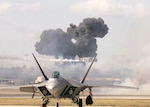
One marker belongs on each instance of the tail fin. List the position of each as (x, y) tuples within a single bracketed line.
[(88, 69), (45, 77)]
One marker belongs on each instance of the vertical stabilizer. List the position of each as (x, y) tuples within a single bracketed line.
[(88, 69), (45, 77)]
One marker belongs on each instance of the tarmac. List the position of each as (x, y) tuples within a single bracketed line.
[(59, 106)]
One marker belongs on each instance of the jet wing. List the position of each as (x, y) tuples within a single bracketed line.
[(108, 86), (25, 88), (29, 89)]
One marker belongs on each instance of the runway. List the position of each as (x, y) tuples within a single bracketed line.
[(59, 106)]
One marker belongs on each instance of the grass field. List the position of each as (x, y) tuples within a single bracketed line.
[(67, 102)]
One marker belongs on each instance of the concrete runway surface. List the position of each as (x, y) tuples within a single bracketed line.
[(55, 106)]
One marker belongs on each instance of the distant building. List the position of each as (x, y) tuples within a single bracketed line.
[(6, 81)]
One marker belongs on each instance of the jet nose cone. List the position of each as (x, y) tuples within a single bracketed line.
[(52, 86), (55, 89)]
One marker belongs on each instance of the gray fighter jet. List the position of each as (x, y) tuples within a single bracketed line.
[(59, 87)]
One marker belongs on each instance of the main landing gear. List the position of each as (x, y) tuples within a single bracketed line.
[(89, 100), (80, 103), (45, 102)]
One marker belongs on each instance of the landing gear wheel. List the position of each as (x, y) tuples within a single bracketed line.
[(44, 105), (57, 104), (80, 102), (89, 100)]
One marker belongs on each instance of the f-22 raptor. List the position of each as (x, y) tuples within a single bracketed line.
[(59, 87)]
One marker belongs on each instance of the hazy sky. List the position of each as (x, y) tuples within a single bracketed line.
[(22, 22)]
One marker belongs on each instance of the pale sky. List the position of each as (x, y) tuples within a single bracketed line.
[(23, 21), (127, 44)]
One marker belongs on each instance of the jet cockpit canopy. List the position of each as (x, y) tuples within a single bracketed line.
[(55, 74)]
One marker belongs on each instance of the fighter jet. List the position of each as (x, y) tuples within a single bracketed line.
[(59, 87)]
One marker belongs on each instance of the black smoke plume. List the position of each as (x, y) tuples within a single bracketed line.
[(77, 41)]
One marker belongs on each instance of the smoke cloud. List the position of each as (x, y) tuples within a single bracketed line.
[(77, 41)]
